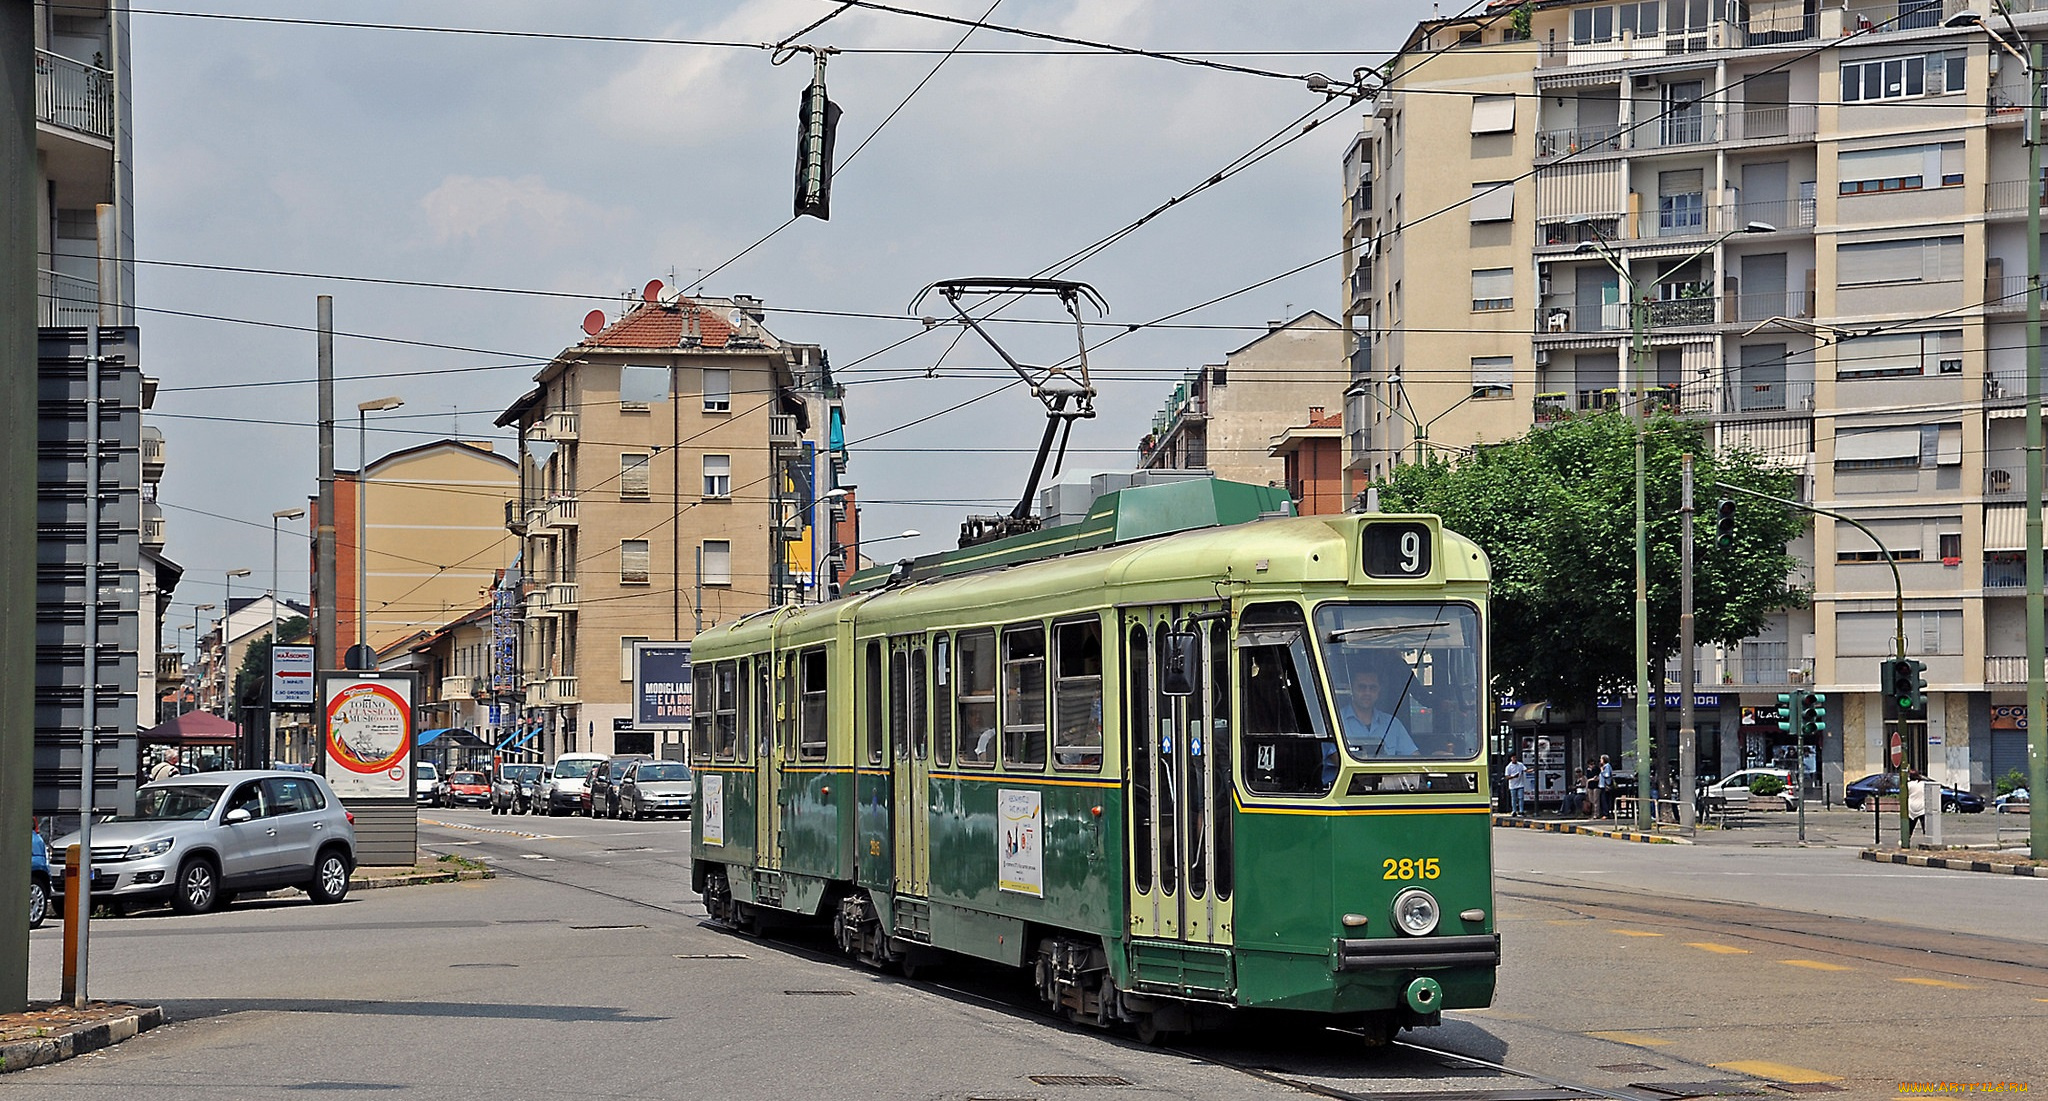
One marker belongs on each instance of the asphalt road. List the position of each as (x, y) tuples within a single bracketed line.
[(585, 970)]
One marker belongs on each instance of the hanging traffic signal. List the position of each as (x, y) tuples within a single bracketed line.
[(817, 124), (1813, 716), (1790, 706), (1724, 520)]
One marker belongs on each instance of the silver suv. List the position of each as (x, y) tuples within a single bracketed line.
[(197, 840)]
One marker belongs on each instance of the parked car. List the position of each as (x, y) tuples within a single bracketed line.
[(566, 788), (512, 788), (536, 795), (38, 877), (1736, 785), (426, 781), (656, 788), (196, 841), (1887, 783), (603, 801), (466, 789)]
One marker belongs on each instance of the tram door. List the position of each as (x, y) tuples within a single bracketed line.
[(1177, 752), (773, 724), (910, 766)]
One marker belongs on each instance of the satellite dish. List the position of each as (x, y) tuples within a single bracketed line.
[(651, 292), (593, 322)]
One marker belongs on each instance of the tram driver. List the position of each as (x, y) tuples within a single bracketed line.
[(1371, 730)]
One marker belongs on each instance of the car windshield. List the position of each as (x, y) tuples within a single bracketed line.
[(662, 770), (570, 770), (429, 772), (1405, 678), (173, 802), (521, 772), (466, 778)]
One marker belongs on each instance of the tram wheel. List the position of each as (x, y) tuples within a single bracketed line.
[(1146, 1026)]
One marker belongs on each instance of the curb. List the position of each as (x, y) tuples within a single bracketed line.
[(371, 883), (1954, 864), (23, 1054), (1502, 820)]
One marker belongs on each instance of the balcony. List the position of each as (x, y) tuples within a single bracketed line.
[(66, 301), (1766, 125), (562, 690), (74, 96), (2005, 294), (1766, 396), (2005, 570), (537, 603), (458, 688), (1692, 305), (1677, 130), (782, 430), (562, 596), (1661, 397), (2005, 481), (1553, 407), (1782, 215), (152, 454), (1609, 138), (2005, 669), (1766, 305), (1763, 662), (152, 524), (1361, 284), (561, 512), (1692, 220), (557, 427), (2007, 198)]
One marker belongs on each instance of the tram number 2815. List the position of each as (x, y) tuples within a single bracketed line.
[(1403, 868)]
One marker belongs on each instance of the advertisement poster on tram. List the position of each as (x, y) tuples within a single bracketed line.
[(711, 815), (1020, 840), (369, 734)]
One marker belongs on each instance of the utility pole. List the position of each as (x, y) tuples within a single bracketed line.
[(326, 607), (2037, 635), (17, 471), (1687, 734), (1639, 371)]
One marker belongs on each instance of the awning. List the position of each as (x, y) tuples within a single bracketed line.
[(459, 733), (524, 738), (1531, 714), (2005, 528)]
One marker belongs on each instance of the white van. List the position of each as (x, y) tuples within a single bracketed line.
[(568, 784)]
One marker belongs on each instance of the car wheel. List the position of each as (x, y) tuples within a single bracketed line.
[(330, 877), (38, 902), (198, 887), (638, 811)]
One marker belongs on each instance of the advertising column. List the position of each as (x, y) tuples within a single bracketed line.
[(367, 729)]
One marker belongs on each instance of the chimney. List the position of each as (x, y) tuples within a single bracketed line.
[(1315, 413)]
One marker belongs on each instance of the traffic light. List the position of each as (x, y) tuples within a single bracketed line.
[(1724, 520), (817, 125), (1791, 705), (1813, 716), (1904, 682)]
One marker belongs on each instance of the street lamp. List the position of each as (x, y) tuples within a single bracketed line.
[(197, 642), (270, 712), (1639, 357), (1421, 426), (363, 410), (227, 622), (2033, 61)]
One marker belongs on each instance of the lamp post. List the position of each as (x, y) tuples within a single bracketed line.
[(363, 410), (1639, 320), (227, 622), (1421, 426), (2033, 62), (269, 710), (198, 642)]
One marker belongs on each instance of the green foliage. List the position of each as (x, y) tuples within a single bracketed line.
[(1555, 512), (1521, 23), (2012, 781), (252, 680), (1766, 784)]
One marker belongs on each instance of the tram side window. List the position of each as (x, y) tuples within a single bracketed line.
[(871, 715), (1138, 753), (1077, 696), (1024, 697), (1219, 752), (976, 685), (744, 709), (764, 707), (701, 718), (899, 702), (811, 713), (725, 708), (917, 703), (942, 715), (1284, 733)]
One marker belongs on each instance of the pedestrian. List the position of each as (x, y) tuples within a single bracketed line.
[(1606, 787), (166, 768), (1517, 775), (1589, 785)]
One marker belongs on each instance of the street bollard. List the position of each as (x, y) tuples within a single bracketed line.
[(73, 898)]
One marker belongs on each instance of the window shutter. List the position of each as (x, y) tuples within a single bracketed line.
[(717, 562), (1881, 443), (1689, 181), (1882, 164), (1493, 372), (1493, 114), (1493, 202), (1493, 284), (633, 475), (1943, 260), (635, 561)]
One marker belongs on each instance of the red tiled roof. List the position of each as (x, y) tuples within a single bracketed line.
[(664, 325), (1326, 420)]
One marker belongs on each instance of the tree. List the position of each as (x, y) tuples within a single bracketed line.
[(252, 680), (1555, 512)]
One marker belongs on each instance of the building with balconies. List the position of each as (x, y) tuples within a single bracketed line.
[(1223, 417), (676, 471), (1806, 194)]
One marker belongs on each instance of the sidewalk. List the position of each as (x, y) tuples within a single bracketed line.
[(1836, 827)]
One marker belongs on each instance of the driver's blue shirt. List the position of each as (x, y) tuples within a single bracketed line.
[(1381, 736)]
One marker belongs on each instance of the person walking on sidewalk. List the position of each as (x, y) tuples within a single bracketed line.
[(1517, 775), (1606, 787)]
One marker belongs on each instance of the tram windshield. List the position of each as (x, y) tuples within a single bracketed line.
[(1404, 679)]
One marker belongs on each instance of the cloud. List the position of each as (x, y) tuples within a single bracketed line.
[(478, 207)]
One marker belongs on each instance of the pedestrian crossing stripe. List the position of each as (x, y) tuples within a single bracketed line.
[(1777, 1072), (1634, 1039), (1817, 965), (1943, 983), (1718, 949), (1634, 933)]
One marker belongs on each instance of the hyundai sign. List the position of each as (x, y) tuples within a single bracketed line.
[(661, 685)]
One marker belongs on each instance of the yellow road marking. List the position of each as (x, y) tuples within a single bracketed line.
[(1779, 1072), (1634, 933), (1943, 983), (1718, 949), (1817, 965), (1636, 1039), (1551, 921)]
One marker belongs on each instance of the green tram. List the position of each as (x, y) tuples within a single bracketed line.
[(1175, 775)]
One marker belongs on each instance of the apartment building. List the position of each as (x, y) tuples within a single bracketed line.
[(678, 470), (1223, 417), (1825, 206)]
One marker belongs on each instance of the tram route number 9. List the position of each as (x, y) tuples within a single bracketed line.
[(1411, 869), (1397, 550)]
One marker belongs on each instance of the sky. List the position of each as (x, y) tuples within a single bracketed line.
[(585, 168)]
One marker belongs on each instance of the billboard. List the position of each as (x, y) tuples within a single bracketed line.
[(291, 676), (661, 685), (368, 729)]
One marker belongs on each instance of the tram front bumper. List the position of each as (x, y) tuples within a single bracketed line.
[(1409, 953)]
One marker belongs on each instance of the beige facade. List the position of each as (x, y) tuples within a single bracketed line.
[(665, 463), (1223, 417), (1825, 208)]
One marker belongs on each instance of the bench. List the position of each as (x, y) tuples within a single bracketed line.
[(1661, 810)]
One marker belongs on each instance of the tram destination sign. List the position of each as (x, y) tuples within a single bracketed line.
[(661, 685)]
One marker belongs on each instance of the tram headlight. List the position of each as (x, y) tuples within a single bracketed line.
[(1416, 912)]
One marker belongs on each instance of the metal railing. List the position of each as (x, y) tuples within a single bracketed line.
[(2009, 572), (1608, 138), (1779, 214), (1361, 281), (2008, 197), (66, 301), (1552, 407), (1691, 309), (1693, 221), (1574, 232), (1777, 395), (1674, 128), (2005, 481), (1764, 663), (2007, 385), (2005, 294), (74, 95), (1765, 305), (1800, 122)]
